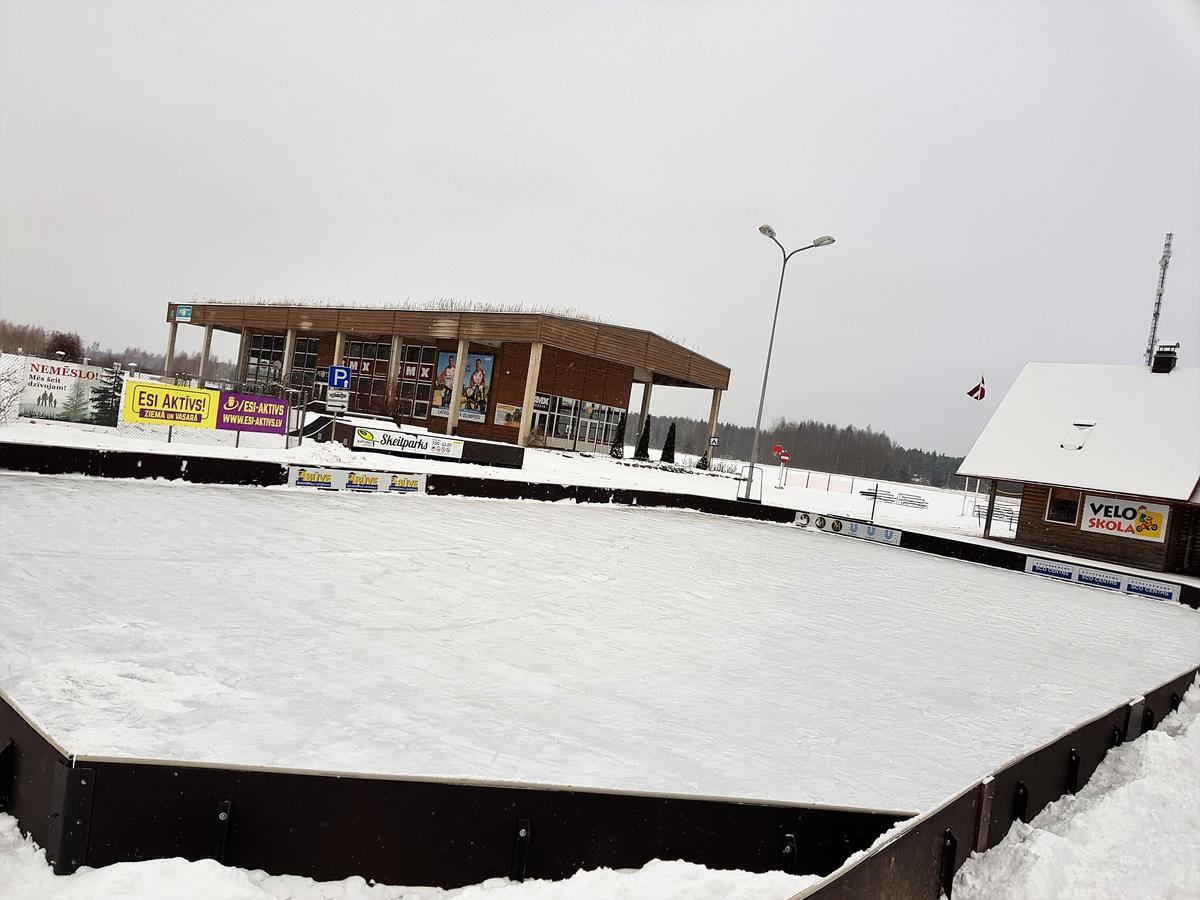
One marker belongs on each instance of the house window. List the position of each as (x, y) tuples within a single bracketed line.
[(1062, 507), (368, 362), (264, 365), (415, 381)]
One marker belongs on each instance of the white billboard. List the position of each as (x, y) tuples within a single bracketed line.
[(419, 443)]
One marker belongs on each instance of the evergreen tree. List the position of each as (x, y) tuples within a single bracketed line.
[(643, 445), (702, 462), (106, 399), (617, 451), (75, 407), (668, 450)]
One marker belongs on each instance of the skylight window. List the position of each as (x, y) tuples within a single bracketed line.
[(1077, 435)]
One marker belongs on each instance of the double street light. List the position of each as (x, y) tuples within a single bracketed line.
[(823, 241)]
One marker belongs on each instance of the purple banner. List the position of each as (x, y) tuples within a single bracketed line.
[(248, 412)]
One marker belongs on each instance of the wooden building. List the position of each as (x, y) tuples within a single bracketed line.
[(1109, 457), (529, 377)]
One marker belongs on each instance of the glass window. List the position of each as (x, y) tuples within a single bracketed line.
[(1062, 507)]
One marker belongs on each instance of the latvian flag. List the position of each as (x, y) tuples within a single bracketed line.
[(979, 391)]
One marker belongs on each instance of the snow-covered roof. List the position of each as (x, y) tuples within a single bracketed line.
[(1137, 432)]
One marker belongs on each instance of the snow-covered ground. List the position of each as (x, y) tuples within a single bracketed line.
[(603, 646), (836, 495), (24, 875), (1132, 832)]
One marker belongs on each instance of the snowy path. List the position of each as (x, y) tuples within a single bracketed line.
[(613, 647), (1132, 833)]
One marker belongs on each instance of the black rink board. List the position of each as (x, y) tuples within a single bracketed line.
[(435, 833)]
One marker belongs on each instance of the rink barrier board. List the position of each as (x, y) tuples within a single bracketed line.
[(919, 859), (328, 826)]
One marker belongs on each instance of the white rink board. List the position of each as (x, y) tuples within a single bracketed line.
[(609, 647)]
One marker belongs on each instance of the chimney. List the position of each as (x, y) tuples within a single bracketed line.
[(1165, 358)]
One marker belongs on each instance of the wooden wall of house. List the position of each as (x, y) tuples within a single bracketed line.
[(1035, 532)]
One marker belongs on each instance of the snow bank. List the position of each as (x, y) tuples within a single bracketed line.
[(25, 875), (1132, 832)]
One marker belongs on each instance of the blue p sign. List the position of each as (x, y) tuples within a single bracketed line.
[(339, 376)]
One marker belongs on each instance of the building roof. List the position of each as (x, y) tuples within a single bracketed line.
[(654, 359), (1140, 431)]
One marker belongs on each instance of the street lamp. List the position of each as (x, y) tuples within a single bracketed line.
[(768, 231)]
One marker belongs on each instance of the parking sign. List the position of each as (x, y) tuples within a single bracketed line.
[(339, 376)]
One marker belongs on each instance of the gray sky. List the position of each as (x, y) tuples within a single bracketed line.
[(999, 177)]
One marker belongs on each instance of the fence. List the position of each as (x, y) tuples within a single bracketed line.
[(918, 861)]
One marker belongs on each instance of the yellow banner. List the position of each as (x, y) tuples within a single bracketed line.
[(148, 403)]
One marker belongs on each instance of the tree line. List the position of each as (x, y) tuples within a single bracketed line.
[(820, 446), (32, 340)]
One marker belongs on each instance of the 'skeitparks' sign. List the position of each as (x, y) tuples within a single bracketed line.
[(1125, 518), (416, 442), (357, 480)]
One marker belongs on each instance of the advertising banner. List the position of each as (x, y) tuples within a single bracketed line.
[(325, 479), (1125, 518), (1101, 578), (418, 443), (151, 403), (863, 530), (248, 412), (507, 415), (477, 386), (66, 391)]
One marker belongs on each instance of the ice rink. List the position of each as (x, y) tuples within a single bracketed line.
[(611, 647)]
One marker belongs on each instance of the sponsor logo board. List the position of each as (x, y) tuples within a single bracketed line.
[(1101, 578), (356, 480), (1125, 518), (148, 403), (419, 443), (861, 530)]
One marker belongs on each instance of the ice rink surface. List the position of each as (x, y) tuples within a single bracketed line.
[(611, 647)]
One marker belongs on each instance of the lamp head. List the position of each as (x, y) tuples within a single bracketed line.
[(823, 241), (767, 230)]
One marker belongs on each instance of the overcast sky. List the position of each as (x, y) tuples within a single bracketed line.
[(999, 178)]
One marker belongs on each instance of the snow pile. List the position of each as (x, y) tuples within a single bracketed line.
[(1132, 832), (25, 875)]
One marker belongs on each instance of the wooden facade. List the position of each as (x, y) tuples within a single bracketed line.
[(1178, 552), (592, 364), (655, 359)]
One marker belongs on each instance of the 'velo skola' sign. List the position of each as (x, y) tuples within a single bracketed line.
[(1125, 518)]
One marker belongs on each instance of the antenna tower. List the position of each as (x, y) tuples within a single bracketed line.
[(1162, 281)]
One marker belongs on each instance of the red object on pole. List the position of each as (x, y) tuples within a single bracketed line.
[(785, 456), (777, 449)]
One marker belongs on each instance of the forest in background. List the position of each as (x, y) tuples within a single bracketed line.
[(33, 340)]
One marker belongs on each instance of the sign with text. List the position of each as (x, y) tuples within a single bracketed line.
[(507, 415), (62, 390), (1101, 578), (1125, 518), (418, 443), (362, 482), (183, 314), (149, 403), (248, 412), (476, 379)]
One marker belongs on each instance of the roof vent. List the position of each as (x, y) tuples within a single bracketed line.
[(1165, 358)]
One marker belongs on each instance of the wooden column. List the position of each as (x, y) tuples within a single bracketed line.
[(204, 352), (170, 361), (460, 372), (714, 410), (289, 350), (243, 355), (394, 362), (991, 507), (531, 380), (339, 347), (646, 390)]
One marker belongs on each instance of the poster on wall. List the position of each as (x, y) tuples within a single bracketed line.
[(476, 386), (67, 391), (1125, 518), (507, 415)]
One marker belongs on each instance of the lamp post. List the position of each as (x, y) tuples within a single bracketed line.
[(823, 241)]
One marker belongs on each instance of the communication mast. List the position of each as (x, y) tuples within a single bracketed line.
[(1162, 281)]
